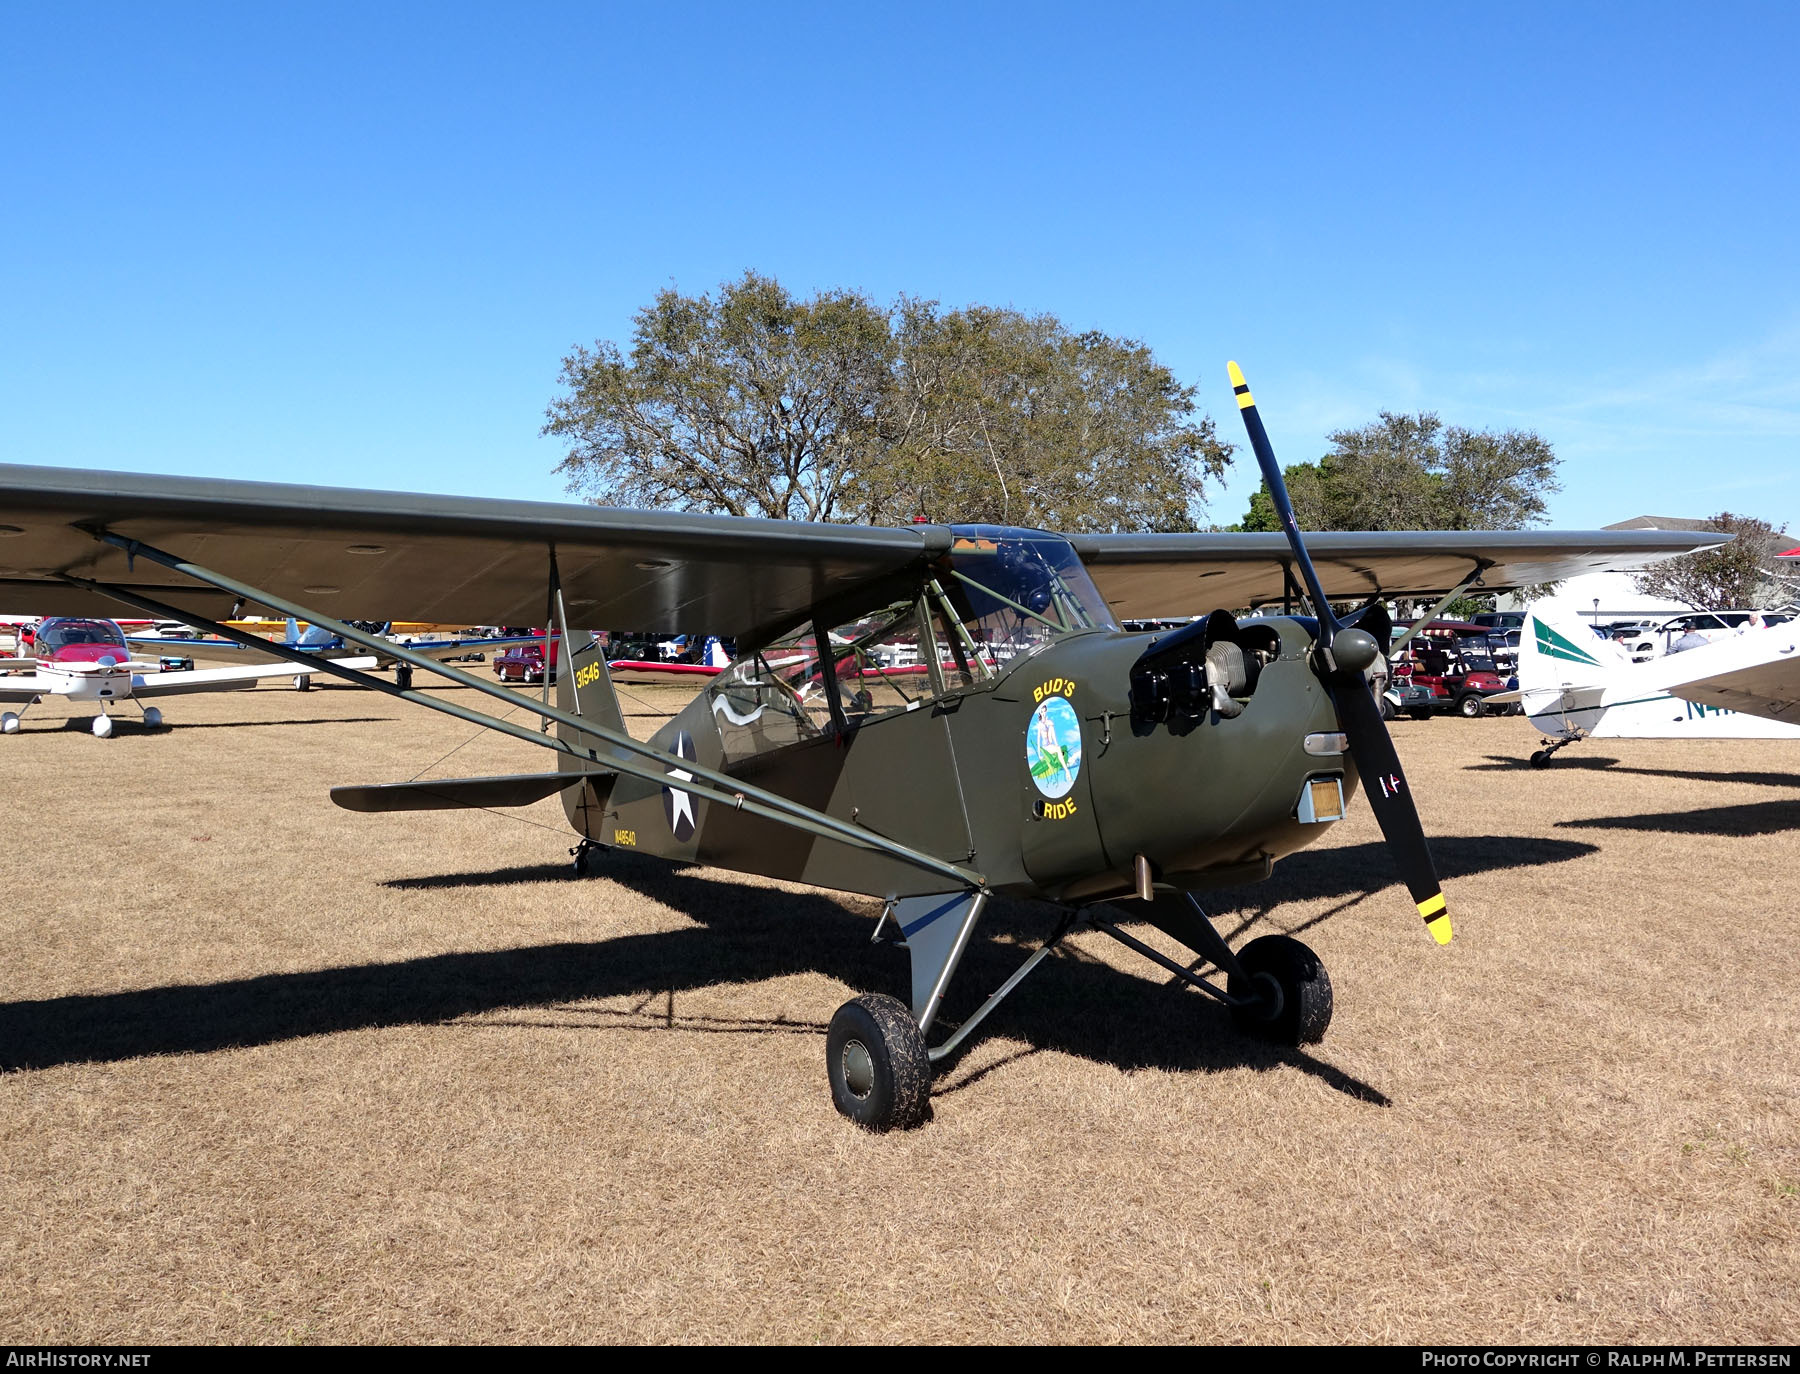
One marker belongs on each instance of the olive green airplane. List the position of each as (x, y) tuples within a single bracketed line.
[(930, 715)]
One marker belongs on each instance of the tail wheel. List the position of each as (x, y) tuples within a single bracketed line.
[(1541, 759), (1295, 1003), (875, 1057)]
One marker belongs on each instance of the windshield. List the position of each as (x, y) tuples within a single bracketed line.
[(1016, 589), (60, 634)]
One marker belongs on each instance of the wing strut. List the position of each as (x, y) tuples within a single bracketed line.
[(702, 782), (1437, 610)]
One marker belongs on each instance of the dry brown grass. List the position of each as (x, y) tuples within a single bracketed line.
[(299, 1074)]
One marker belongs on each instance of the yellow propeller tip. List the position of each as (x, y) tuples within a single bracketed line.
[(1236, 374), (1440, 929)]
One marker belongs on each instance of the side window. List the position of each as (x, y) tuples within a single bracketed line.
[(961, 663), (903, 656), (883, 663), (771, 699)]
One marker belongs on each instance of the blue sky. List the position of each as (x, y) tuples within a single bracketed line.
[(350, 244)]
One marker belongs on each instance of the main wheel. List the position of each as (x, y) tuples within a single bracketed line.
[(152, 718), (403, 677), (303, 682), (1541, 759), (9, 723), (876, 1060), (1471, 706), (1295, 1007)]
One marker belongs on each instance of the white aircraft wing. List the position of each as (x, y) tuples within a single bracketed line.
[(225, 679), (1757, 673), (27, 687)]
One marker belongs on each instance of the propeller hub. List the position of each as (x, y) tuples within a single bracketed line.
[(1354, 650)]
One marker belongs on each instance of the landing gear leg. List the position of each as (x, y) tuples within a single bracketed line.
[(1276, 987), (1541, 759)]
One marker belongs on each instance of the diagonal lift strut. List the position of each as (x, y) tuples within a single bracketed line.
[(705, 783)]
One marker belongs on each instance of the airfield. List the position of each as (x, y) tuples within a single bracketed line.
[(274, 1071)]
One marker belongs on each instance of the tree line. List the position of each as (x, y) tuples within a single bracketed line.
[(753, 402), (750, 401)]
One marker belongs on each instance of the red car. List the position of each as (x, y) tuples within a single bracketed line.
[(525, 662)]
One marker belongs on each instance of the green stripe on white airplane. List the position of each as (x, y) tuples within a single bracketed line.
[(1553, 645)]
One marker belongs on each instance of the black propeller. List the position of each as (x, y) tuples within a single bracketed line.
[(1342, 655)]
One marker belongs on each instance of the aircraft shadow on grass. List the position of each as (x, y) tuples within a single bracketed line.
[(1753, 818), (1499, 763), (742, 934)]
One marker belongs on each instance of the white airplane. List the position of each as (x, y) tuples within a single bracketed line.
[(1576, 685), (86, 659)]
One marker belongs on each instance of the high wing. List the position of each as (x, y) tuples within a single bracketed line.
[(380, 555), (392, 555), (1147, 575), (1757, 673)]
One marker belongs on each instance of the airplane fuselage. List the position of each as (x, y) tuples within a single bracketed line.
[(1041, 778), (1622, 713)]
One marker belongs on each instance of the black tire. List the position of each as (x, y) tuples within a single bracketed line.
[(1418, 713), (1303, 1010), (1541, 759), (1470, 706), (403, 677), (876, 1060)]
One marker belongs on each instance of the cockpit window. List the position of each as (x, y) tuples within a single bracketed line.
[(60, 634), (882, 663), (1014, 590), (772, 698)]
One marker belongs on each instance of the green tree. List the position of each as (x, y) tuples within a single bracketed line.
[(750, 404), (997, 415), (1739, 574), (1413, 472), (832, 408)]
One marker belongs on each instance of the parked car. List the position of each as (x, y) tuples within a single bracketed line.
[(525, 662), (1654, 638)]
